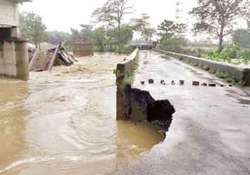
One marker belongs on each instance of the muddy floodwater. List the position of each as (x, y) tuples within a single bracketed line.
[(63, 122)]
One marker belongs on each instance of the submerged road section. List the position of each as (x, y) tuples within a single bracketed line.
[(210, 132)]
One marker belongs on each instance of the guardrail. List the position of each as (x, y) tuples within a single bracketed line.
[(125, 69), (124, 77), (236, 73)]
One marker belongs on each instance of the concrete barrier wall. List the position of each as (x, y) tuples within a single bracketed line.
[(14, 59), (83, 49), (238, 74), (124, 76)]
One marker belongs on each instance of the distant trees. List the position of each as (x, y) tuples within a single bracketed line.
[(169, 32), (217, 17), (168, 28), (56, 37), (107, 39), (143, 26), (112, 14), (85, 34), (32, 28), (100, 39)]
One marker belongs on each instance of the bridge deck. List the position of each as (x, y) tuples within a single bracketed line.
[(211, 128)]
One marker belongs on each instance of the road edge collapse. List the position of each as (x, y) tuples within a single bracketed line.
[(135, 104)]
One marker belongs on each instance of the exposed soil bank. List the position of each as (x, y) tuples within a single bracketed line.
[(237, 74), (64, 122)]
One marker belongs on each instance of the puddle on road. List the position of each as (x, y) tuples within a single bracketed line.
[(64, 122)]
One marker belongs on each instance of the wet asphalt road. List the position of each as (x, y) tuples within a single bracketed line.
[(210, 133)]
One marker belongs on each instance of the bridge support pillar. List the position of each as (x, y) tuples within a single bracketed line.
[(14, 59)]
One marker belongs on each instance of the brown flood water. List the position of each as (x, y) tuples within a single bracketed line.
[(64, 123)]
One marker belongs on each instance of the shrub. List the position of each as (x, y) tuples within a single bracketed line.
[(173, 43), (245, 56), (230, 52), (227, 54)]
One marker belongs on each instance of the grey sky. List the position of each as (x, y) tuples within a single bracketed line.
[(64, 14)]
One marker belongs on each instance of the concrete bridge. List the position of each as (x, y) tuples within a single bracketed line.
[(13, 50), (210, 129), (143, 45)]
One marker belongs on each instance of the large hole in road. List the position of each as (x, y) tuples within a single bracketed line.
[(139, 106)]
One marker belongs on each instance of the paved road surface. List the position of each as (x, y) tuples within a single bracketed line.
[(210, 134)]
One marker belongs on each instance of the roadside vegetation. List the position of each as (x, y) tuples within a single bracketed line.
[(217, 19)]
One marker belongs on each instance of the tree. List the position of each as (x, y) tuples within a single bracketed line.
[(112, 13), (32, 28), (122, 35), (242, 37), (143, 26), (169, 32), (217, 17), (169, 28), (85, 34), (56, 37), (99, 38)]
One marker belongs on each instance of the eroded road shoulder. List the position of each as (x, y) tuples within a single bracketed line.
[(210, 129)]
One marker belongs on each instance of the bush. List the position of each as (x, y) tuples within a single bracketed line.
[(173, 43), (227, 54), (230, 52), (245, 56)]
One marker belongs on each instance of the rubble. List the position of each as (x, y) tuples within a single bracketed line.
[(47, 55)]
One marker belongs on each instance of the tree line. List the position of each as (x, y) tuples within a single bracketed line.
[(110, 32)]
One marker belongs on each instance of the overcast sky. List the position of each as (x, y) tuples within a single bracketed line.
[(63, 14)]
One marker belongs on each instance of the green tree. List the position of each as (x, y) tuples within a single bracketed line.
[(217, 17), (85, 34), (112, 14), (56, 37), (126, 34), (100, 39), (32, 28), (168, 29), (143, 26)]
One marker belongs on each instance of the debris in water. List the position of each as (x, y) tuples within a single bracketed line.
[(48, 55)]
